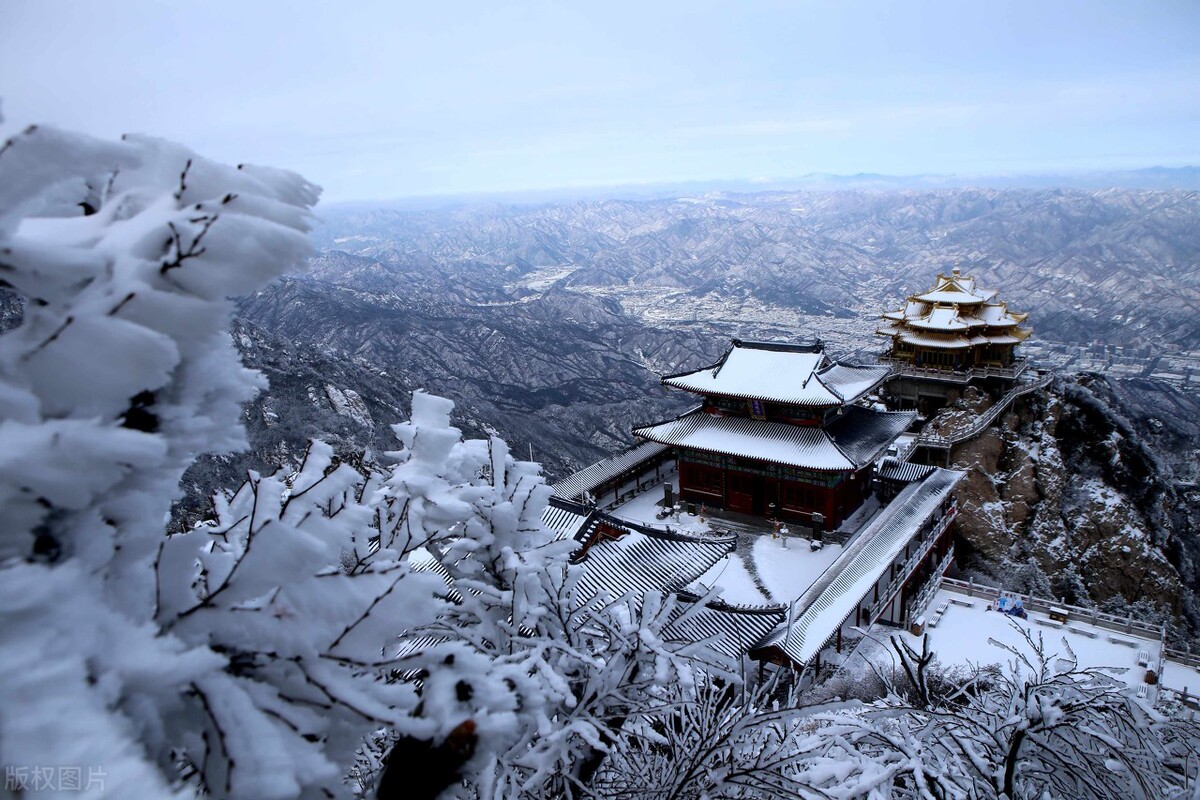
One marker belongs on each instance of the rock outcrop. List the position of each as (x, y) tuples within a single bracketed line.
[(1065, 494)]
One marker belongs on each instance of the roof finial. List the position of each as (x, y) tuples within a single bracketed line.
[(957, 267)]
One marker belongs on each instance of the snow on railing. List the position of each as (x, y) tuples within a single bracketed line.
[(905, 368), (926, 595), (981, 423), (1110, 622), (911, 562), (1180, 657)]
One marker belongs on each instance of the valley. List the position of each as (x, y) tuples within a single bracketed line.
[(550, 326)]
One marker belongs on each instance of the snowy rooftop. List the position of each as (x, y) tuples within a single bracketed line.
[(731, 630), (819, 612), (797, 374), (938, 319), (942, 342), (912, 308), (945, 318), (648, 560), (1003, 339), (950, 295), (754, 581), (955, 304), (568, 520), (997, 314), (755, 574), (588, 478), (893, 469), (863, 434), (856, 438), (957, 289)]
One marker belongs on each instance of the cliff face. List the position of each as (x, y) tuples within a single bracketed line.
[(1068, 496)]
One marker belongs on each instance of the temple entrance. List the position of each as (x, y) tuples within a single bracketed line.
[(746, 493)]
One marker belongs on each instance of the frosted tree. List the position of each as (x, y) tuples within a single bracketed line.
[(1042, 728), (250, 657), (545, 678), (119, 374)]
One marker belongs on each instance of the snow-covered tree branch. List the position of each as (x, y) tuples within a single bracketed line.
[(252, 656), (118, 376)]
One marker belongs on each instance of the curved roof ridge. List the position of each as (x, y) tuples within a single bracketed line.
[(721, 604)]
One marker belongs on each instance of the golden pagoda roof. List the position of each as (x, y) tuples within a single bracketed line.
[(956, 313)]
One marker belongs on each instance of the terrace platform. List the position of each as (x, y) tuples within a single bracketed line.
[(963, 629)]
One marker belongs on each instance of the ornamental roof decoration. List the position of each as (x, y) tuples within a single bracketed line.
[(955, 315), (799, 375)]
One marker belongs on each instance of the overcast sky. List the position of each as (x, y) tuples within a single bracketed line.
[(390, 99)]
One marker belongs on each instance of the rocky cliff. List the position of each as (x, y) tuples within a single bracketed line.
[(1072, 495)]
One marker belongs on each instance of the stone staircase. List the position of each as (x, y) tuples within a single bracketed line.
[(937, 441)]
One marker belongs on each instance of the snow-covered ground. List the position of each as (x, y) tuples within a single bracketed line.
[(767, 568), (788, 566), (735, 584), (1181, 678), (904, 444), (644, 509), (967, 629)]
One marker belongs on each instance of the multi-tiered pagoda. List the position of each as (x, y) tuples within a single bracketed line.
[(780, 432), (957, 326)]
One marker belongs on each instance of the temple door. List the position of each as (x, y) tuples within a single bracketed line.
[(742, 493)]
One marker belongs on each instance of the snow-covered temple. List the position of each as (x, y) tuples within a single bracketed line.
[(956, 333), (784, 433), (780, 433), (783, 598)]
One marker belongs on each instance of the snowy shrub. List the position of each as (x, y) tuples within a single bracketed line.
[(1043, 728), (546, 680)]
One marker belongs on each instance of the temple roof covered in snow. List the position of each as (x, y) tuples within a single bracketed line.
[(893, 469), (818, 613), (588, 478), (956, 315), (957, 289), (729, 629), (643, 559), (857, 437), (569, 520), (794, 374)]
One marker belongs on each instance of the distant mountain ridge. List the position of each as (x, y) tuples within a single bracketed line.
[(1185, 177), (550, 324)]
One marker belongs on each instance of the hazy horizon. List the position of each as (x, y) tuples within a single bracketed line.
[(380, 101)]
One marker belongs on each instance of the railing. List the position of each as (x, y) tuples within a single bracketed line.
[(981, 423), (1180, 657), (911, 563), (926, 595), (1100, 620), (907, 369), (1185, 697)]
